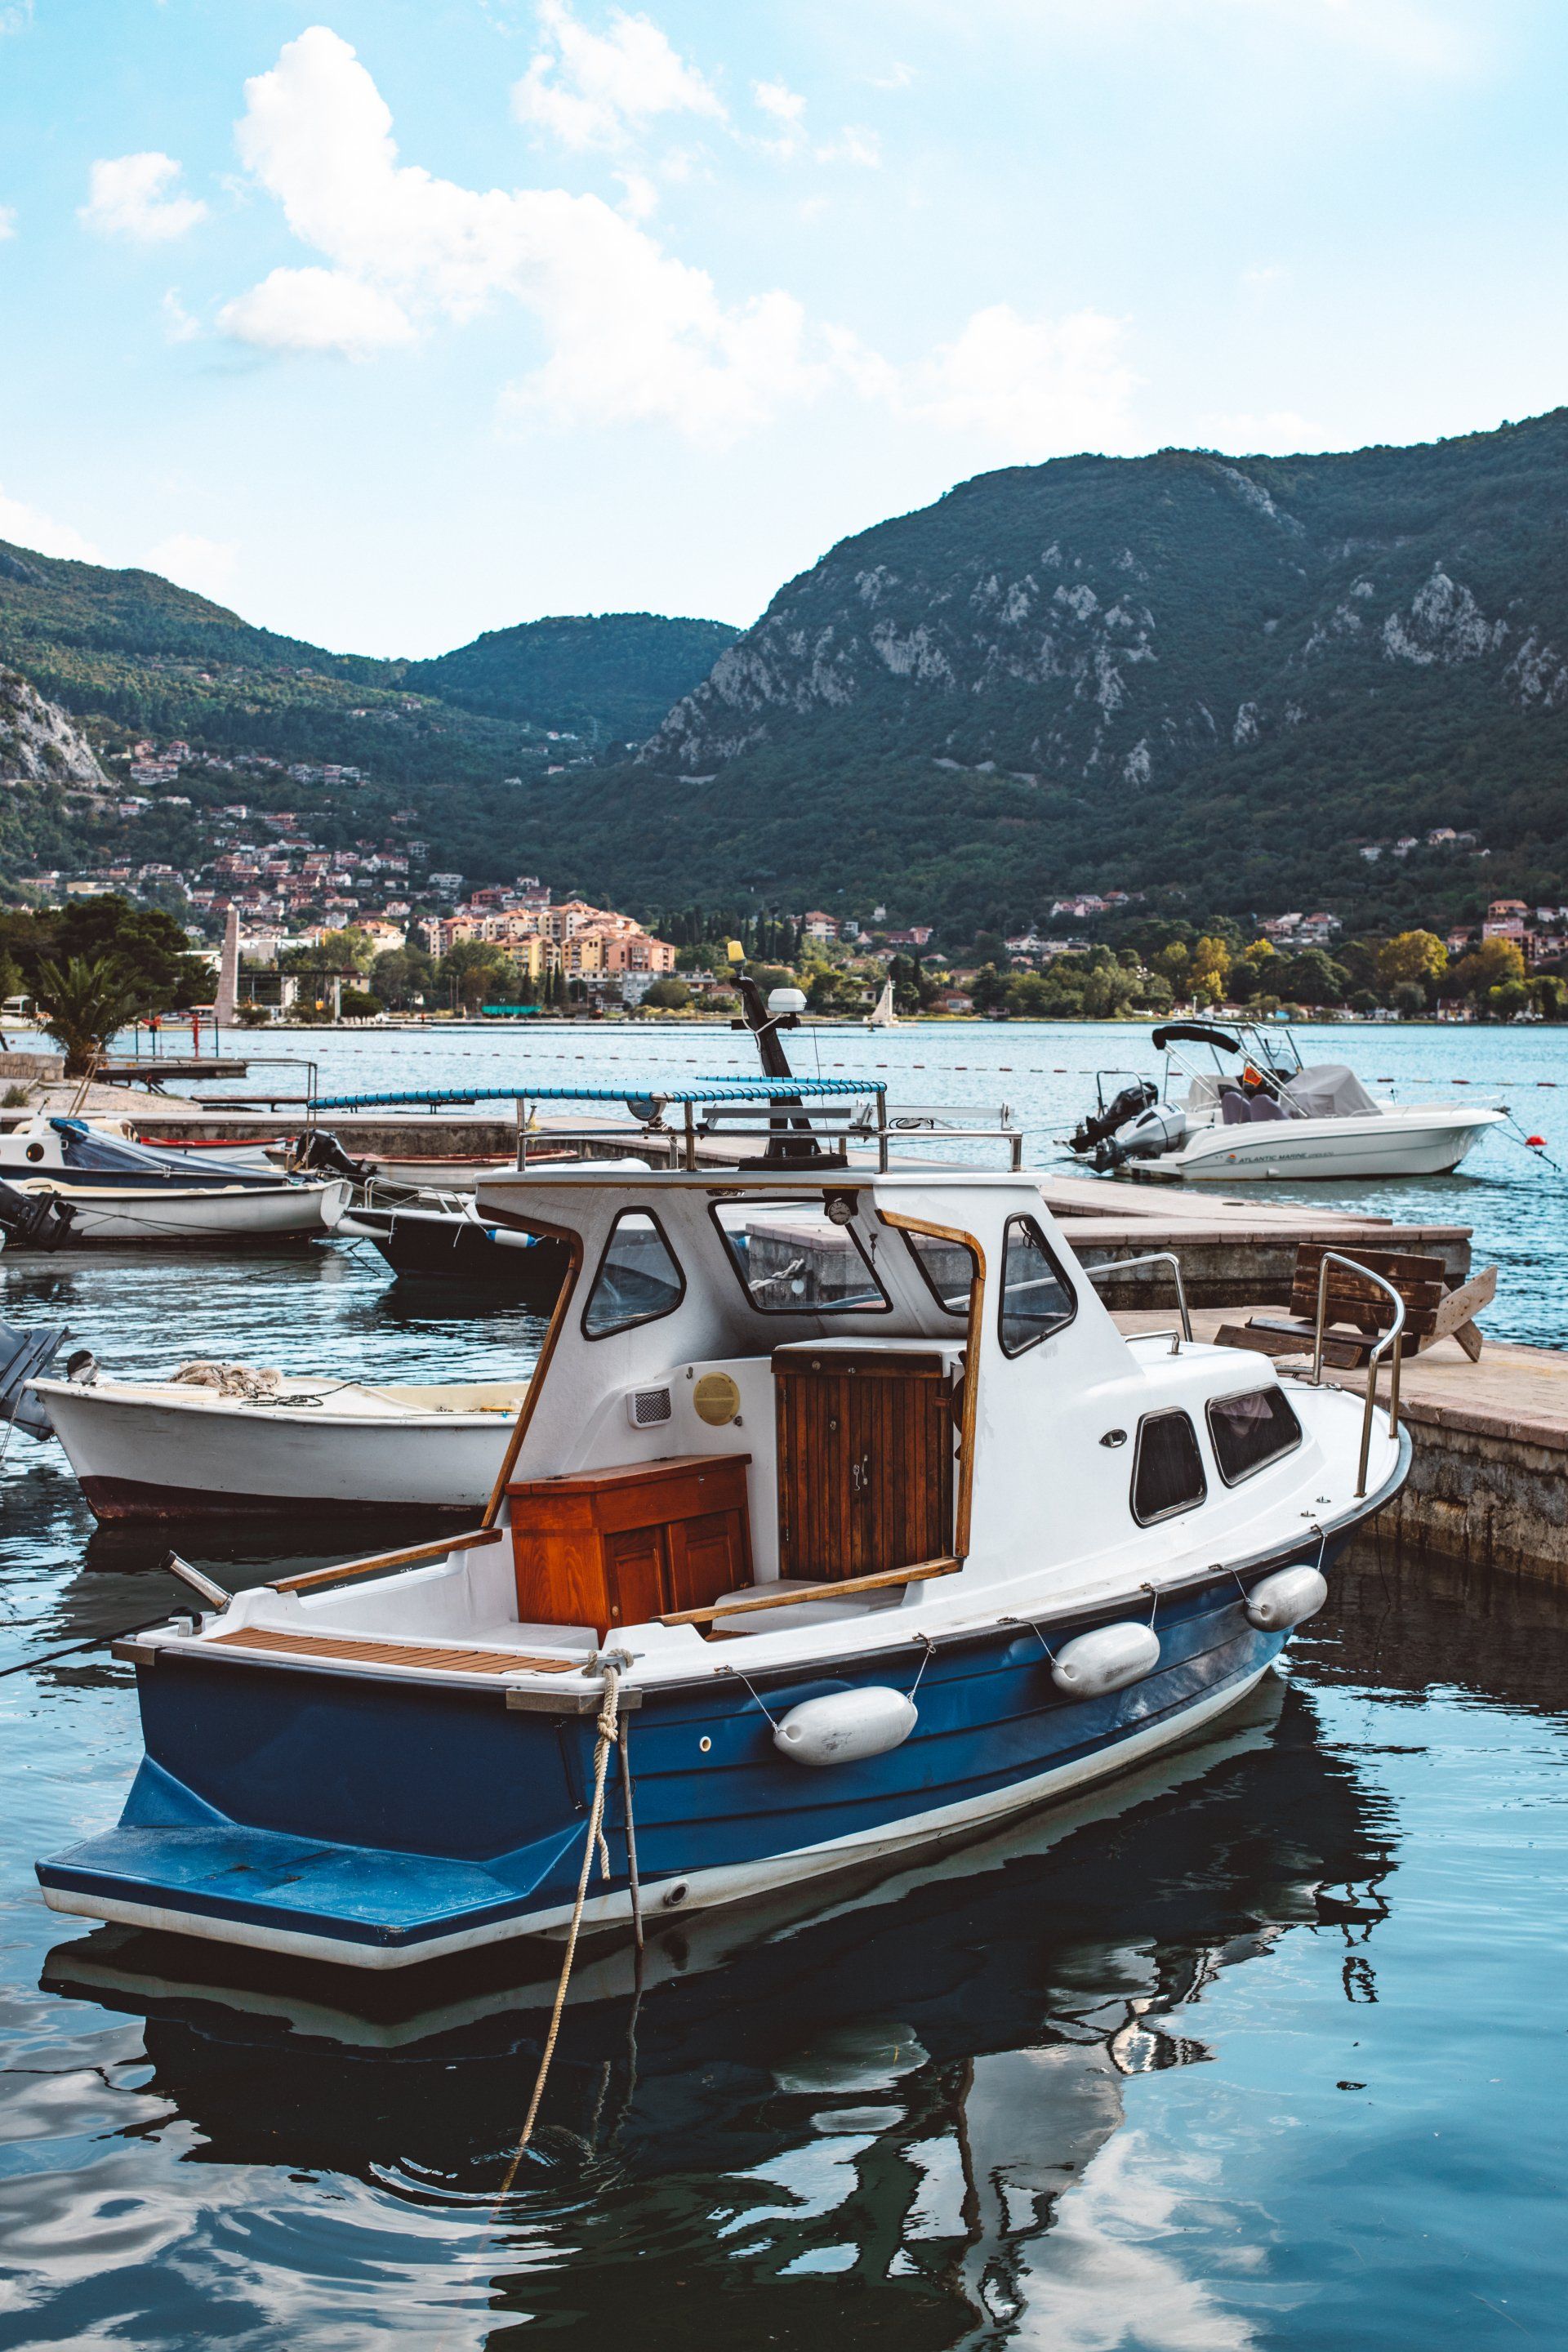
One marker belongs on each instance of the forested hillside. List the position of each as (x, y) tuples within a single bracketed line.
[(613, 674), (1182, 674), (1226, 676), (131, 654)]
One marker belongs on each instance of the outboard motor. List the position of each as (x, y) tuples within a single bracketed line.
[(35, 1220), (26, 1356), (1162, 1127), (321, 1153), (1127, 1105)]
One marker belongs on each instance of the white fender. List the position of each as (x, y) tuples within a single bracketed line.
[(1287, 1598), (846, 1727), (1093, 1664)]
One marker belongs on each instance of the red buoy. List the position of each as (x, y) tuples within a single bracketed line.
[(1538, 1141)]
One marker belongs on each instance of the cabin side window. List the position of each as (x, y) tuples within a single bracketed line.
[(1168, 1469), (1252, 1430), (1036, 1298), (793, 1259), (638, 1278), (948, 1270)]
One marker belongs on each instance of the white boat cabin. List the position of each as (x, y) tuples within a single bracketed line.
[(900, 1388)]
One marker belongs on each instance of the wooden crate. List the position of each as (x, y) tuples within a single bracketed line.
[(622, 1545)]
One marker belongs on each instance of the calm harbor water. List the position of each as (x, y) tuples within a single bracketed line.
[(1260, 2049), (1516, 1201)]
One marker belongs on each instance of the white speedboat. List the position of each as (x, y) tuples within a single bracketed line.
[(118, 1190), (1260, 1112), (838, 1505), (224, 1438)]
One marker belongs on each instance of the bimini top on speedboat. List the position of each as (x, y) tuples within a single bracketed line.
[(839, 1498), (1251, 1109), (122, 1191)]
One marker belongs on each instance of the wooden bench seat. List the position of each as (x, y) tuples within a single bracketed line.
[(1357, 1312)]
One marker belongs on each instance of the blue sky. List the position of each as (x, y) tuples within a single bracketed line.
[(421, 317)]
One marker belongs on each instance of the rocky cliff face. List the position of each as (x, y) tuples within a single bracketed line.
[(38, 744), (1119, 625)]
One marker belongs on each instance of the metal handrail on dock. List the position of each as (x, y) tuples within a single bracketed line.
[(1389, 1340), (1153, 1257)]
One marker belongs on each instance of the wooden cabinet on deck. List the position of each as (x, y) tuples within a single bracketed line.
[(613, 1548), (865, 1445)]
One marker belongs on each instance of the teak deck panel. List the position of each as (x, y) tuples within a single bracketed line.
[(359, 1649)]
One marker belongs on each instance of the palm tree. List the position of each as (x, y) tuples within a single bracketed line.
[(85, 1005)]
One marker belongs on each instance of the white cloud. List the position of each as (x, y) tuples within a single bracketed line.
[(205, 564), (1266, 274), (602, 90), (853, 144), (1032, 387), (641, 199), (179, 326), (7, 221), (24, 526), (898, 76), (135, 196), (630, 333), (785, 105), (317, 311)]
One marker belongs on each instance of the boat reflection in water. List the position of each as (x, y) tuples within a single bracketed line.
[(910, 2093)]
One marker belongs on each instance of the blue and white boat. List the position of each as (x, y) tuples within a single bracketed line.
[(116, 1188), (840, 1522)]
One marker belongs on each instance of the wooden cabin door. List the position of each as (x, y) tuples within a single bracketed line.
[(864, 1447)]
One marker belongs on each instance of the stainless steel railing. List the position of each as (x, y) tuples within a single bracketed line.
[(1390, 1340), (1154, 1257)]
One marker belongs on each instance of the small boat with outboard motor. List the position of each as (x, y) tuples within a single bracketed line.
[(839, 1522), (422, 1230), (119, 1189), (1238, 1104)]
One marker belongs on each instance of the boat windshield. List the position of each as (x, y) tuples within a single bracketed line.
[(638, 1278), (794, 1259), (948, 1267)]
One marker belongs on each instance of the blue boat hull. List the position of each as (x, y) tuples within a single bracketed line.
[(380, 1823)]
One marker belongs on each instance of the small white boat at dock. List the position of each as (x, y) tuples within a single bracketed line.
[(118, 1189), (240, 1440), (1255, 1111)]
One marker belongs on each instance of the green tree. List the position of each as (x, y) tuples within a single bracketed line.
[(401, 975), (669, 996), (84, 1003)]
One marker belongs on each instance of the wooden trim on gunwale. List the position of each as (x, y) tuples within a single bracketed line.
[(917, 1574), (436, 1548)]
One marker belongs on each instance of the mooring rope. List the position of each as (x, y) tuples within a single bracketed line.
[(608, 1733)]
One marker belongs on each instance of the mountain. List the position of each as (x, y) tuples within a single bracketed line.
[(130, 654), (1221, 674), (38, 744), (608, 673)]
